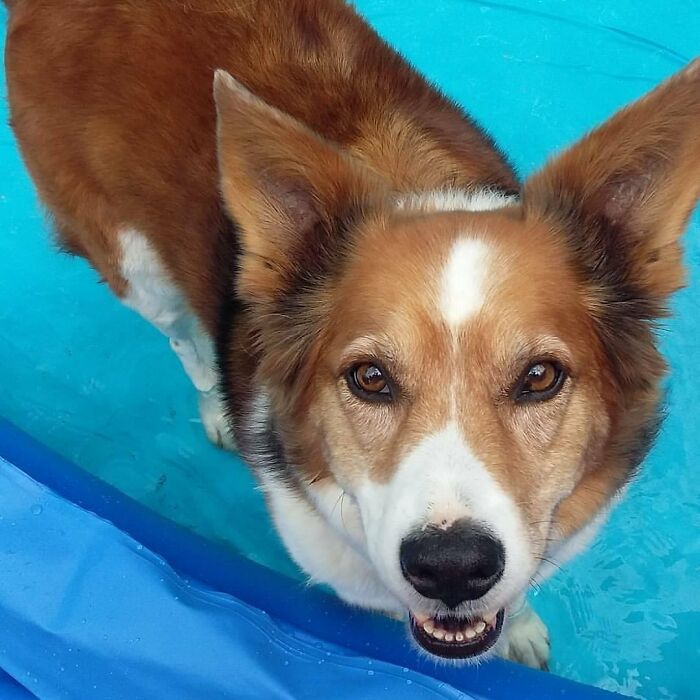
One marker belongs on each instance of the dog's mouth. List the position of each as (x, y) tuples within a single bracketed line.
[(454, 637)]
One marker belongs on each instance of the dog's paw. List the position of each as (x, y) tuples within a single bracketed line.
[(526, 640), (211, 411)]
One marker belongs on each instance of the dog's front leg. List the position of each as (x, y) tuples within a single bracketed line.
[(525, 639)]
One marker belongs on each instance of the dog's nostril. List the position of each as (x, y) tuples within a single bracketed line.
[(461, 563)]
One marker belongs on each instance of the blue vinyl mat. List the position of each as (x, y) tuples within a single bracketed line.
[(87, 610)]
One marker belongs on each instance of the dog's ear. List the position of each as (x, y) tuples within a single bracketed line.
[(627, 189), (291, 193)]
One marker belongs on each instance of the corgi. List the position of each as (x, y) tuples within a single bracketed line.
[(441, 377)]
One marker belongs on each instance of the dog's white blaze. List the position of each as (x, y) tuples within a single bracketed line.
[(442, 479), (464, 281)]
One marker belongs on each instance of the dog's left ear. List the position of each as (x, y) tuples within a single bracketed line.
[(626, 191)]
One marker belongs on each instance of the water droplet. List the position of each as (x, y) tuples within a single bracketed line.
[(84, 621), (286, 663), (409, 682), (139, 547), (404, 669), (370, 673), (36, 509), (104, 636), (63, 668)]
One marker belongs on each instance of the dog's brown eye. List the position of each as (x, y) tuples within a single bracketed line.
[(540, 381), (369, 382)]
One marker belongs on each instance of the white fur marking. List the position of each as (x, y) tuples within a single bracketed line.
[(152, 294), (323, 553), (457, 200), (321, 530), (464, 281), (155, 296)]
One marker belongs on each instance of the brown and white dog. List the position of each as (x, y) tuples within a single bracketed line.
[(441, 379)]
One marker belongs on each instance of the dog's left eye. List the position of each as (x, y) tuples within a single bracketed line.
[(541, 381), (369, 382)]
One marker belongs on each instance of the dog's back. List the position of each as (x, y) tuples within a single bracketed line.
[(112, 107)]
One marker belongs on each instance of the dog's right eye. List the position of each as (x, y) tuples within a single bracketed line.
[(369, 382)]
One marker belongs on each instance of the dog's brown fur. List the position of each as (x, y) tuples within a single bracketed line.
[(124, 89)]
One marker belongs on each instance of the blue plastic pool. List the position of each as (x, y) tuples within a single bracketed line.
[(86, 377)]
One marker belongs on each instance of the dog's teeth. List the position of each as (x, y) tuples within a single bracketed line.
[(470, 631)]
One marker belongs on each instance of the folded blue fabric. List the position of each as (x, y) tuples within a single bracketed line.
[(88, 612)]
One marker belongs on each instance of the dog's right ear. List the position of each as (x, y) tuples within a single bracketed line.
[(291, 192)]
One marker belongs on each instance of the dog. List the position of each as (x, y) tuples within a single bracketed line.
[(441, 377)]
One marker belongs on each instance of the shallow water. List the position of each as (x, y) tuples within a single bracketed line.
[(90, 379)]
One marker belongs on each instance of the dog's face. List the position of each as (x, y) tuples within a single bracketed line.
[(458, 399), (477, 374)]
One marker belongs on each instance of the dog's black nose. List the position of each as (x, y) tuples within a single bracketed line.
[(460, 563)]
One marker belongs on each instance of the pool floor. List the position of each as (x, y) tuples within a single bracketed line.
[(90, 379)]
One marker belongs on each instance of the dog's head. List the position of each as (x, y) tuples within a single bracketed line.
[(478, 373)]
